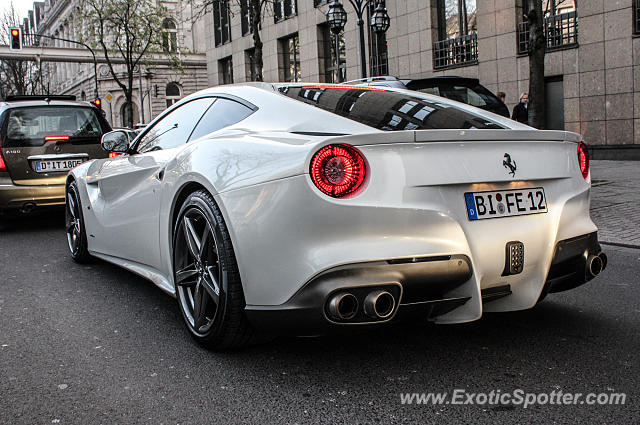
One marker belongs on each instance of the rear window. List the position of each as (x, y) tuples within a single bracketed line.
[(387, 110), (30, 126), (475, 96)]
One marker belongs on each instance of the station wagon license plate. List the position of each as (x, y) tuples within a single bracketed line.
[(57, 165), (505, 203)]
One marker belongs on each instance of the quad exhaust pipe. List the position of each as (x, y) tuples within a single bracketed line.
[(596, 264), (343, 306), (379, 304)]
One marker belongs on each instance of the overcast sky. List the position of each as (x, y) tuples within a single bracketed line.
[(21, 6)]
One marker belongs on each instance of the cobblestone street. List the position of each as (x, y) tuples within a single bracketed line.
[(615, 201)]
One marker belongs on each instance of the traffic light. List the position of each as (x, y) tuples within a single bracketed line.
[(97, 102), (15, 36)]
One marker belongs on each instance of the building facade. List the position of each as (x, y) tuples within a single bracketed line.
[(160, 84), (592, 65)]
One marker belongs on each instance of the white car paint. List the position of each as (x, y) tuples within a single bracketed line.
[(285, 231)]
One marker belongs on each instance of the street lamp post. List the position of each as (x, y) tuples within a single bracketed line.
[(380, 22), (337, 18), (86, 46)]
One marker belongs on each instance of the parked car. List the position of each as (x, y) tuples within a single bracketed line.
[(300, 208), (461, 89), (41, 139)]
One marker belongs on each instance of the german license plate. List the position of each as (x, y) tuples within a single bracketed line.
[(53, 166), (505, 203)]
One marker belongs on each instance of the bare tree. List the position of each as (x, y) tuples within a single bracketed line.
[(16, 76), (537, 50), (126, 30), (256, 9)]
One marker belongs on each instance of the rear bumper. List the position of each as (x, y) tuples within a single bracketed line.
[(15, 198), (307, 312), (422, 288), (569, 267)]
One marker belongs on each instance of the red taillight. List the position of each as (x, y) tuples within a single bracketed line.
[(55, 138), (3, 166), (583, 159), (338, 170), (114, 154)]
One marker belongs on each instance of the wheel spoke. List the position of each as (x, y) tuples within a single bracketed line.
[(72, 206), (200, 301), (203, 242), (183, 277), (211, 285), (193, 243)]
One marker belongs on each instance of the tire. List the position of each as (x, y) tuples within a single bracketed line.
[(208, 286), (74, 225)]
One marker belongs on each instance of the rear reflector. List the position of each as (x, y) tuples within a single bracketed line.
[(55, 138)]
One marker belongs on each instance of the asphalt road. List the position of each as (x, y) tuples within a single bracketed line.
[(98, 345)]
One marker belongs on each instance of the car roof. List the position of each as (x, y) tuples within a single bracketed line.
[(22, 103), (447, 78), (258, 93)]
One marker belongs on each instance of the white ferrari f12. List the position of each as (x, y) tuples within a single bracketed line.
[(299, 208)]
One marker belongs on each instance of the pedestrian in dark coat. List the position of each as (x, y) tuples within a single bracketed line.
[(521, 111)]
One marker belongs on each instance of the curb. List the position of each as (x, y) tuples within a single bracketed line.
[(623, 245)]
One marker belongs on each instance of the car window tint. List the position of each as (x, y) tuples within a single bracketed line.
[(430, 90), (30, 126), (221, 114), (488, 97), (174, 129), (468, 95), (387, 110)]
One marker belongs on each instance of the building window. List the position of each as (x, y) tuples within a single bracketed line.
[(225, 70), (456, 18), (250, 64), (560, 26), (245, 17), (221, 22), (318, 3), (169, 36), (83, 96), (173, 93), (457, 28), (284, 9), (378, 57), (290, 58), (327, 51), (636, 16)]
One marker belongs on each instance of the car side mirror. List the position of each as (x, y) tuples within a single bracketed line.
[(115, 141)]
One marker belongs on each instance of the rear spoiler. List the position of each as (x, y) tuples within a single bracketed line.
[(453, 136)]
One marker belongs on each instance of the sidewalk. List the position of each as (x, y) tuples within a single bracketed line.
[(615, 201)]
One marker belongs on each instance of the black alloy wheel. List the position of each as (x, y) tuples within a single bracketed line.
[(74, 224), (206, 276)]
